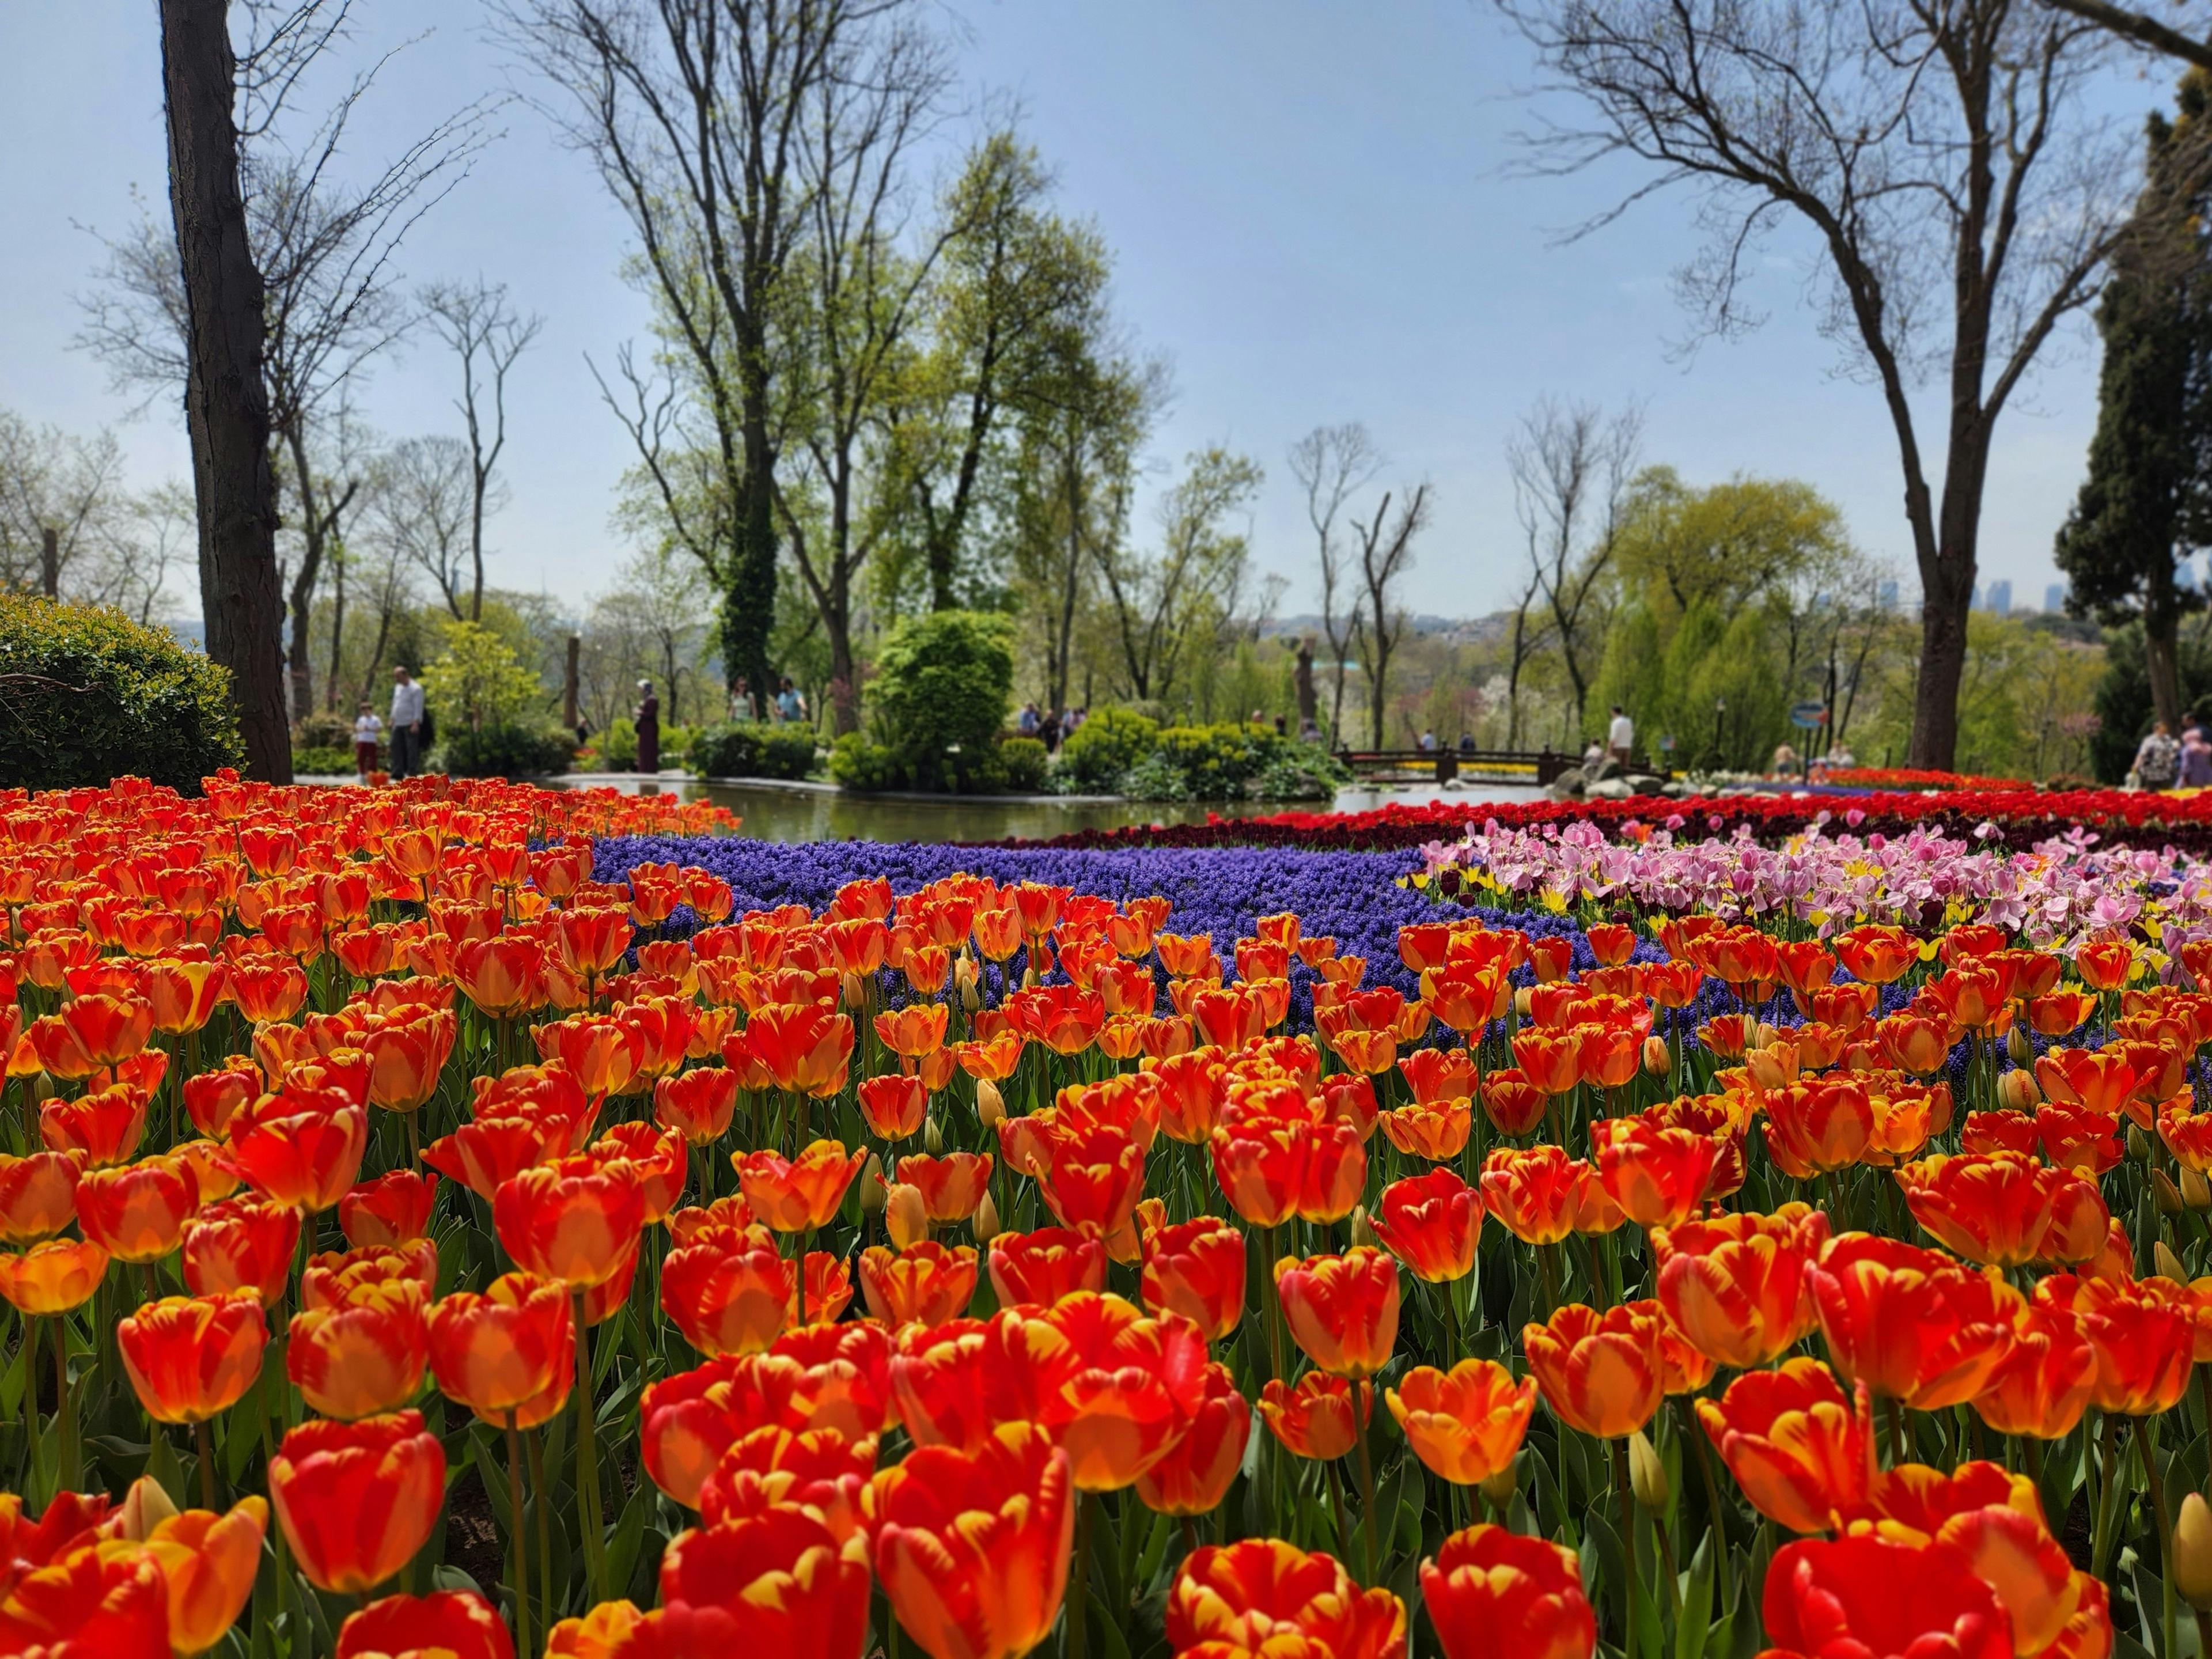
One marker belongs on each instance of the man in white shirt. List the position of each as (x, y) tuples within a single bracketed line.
[(1620, 736), (406, 724)]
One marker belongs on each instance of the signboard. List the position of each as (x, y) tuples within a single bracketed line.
[(1810, 715)]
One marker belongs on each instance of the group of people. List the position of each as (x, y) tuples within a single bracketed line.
[(409, 728), (1050, 726), (2166, 762), (786, 707)]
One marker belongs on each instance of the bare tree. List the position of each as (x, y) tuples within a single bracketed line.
[(1571, 468), (1332, 464), (861, 299), (54, 480), (693, 110), (1386, 554), (1160, 603), (423, 511), (486, 335), (327, 251), (1529, 636), (2144, 30), (1938, 155)]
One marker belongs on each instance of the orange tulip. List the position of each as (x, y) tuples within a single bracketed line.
[(1250, 1595), (1877, 955), (1540, 1194), (38, 1196), (1115, 1388), (103, 1128), (2144, 1338), (925, 1283), (816, 1470), (192, 1357), (698, 1103), (1465, 1423), (1494, 1594), (2044, 1382), (1658, 1176), (806, 1050), (1435, 1130), (780, 1578), (485, 1154), (363, 1356), (89, 1603), (797, 1194), (212, 1097), (1045, 1267), (725, 1299), (1792, 1442), (577, 1219), (1913, 1325), (208, 1563), (54, 1277), (1195, 1476), (1994, 1208), (972, 1548), (183, 995), (1315, 1419), (1341, 1310), (392, 1209), (915, 1030), (1866, 1594), (1093, 1180), (137, 1213), (1736, 1286), (446, 1622), (1196, 1269), (951, 1184), (302, 1152), (1601, 1373), (1818, 1124), (406, 1061), (357, 1500), (500, 1351), (598, 1634)]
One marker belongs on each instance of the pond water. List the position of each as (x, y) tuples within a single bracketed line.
[(771, 812)]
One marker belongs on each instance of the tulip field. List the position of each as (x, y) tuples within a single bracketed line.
[(469, 1219)]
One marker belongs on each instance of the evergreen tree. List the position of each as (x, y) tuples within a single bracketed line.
[(2143, 508)]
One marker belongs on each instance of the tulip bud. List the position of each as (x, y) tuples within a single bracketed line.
[(932, 1138), (1030, 979), (985, 1222), (990, 1104), (1647, 1475), (2168, 1264), (2016, 1089), (144, 1507), (871, 1186), (1363, 1231), (2138, 1143), (2192, 1552), (2167, 1194), (1656, 1060), (906, 1217), (2021, 1050), (2195, 1191), (1767, 1034), (971, 996), (1524, 1000), (41, 1087), (1500, 1487)]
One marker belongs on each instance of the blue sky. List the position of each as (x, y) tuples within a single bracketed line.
[(1315, 216)]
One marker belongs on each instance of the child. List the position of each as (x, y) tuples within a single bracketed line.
[(366, 729)]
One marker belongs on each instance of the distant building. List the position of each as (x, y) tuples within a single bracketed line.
[(1884, 595), (2054, 597), (1974, 599), (2000, 599)]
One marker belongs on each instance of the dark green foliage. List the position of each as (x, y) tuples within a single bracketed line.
[(861, 765), (2123, 705), (503, 752), (1022, 763), (942, 682), (88, 696), (748, 749), (322, 761)]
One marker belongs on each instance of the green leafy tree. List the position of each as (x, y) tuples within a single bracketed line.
[(478, 681), (942, 687), (2144, 505), (1162, 603)]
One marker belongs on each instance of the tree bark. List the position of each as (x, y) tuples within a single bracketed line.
[(225, 404)]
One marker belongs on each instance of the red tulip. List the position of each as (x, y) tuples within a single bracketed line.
[(1493, 1594), (357, 1500)]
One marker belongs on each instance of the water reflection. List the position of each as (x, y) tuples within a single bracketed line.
[(771, 813)]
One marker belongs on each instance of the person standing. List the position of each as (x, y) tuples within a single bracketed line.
[(1621, 735), (790, 706), (648, 729), (406, 724), (2159, 758), (367, 731)]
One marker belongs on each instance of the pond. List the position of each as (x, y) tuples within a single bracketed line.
[(789, 812)]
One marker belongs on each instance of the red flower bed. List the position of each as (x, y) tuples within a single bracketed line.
[(2019, 813)]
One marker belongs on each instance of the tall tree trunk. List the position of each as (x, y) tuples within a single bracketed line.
[(311, 528), (1066, 626), (2161, 653), (748, 601), (337, 633), (226, 406)]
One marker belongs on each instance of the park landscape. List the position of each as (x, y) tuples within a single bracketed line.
[(466, 1189)]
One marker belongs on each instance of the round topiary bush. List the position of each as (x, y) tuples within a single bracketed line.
[(88, 696), (939, 696)]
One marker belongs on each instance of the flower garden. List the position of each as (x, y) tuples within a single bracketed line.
[(478, 1220)]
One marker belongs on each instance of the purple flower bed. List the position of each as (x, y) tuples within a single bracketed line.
[(1353, 896)]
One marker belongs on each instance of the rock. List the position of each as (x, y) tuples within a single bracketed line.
[(1644, 783), (1675, 789), (1610, 789), (1568, 786)]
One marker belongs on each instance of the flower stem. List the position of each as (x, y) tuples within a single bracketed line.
[(1360, 1427), (2168, 1612), (516, 1538), (587, 1460), (1079, 1590), (65, 1408), (1627, 1497), (207, 1465)]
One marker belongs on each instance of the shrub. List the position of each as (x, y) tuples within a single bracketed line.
[(479, 682), (1302, 772), (940, 696), (88, 696), (747, 749), (1107, 744), (1022, 763), (324, 729), (1217, 761), (617, 745), (322, 760), (859, 764), (510, 751), (1155, 778)]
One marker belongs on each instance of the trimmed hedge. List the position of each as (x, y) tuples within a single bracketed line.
[(88, 696), (749, 748)]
